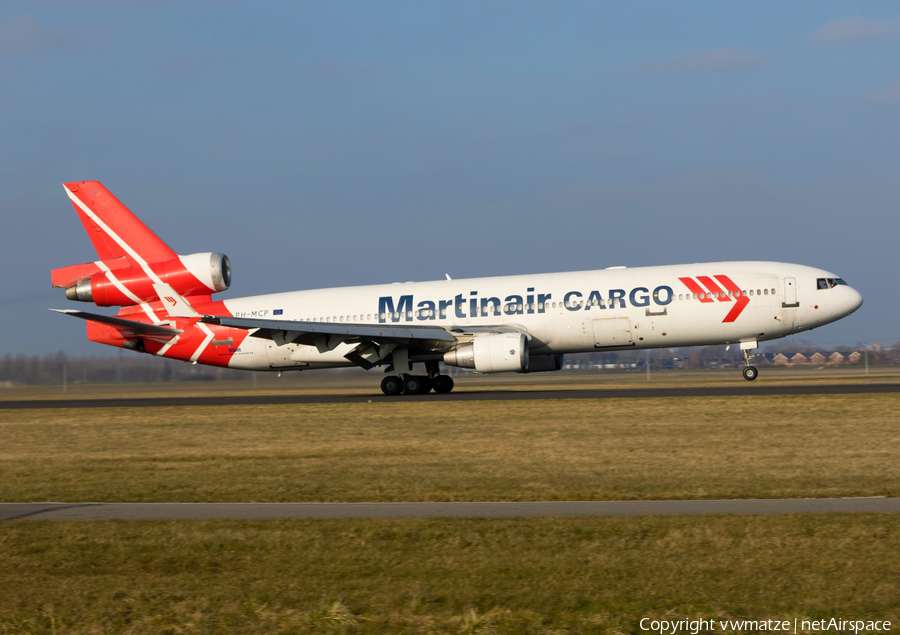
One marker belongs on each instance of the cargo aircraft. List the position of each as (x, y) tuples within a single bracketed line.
[(520, 324)]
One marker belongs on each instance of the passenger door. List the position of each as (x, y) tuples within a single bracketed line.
[(790, 294)]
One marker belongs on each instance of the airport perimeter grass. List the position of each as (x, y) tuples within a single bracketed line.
[(730, 447), (550, 575)]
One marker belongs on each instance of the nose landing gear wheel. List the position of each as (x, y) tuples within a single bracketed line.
[(442, 384), (391, 386), (750, 373)]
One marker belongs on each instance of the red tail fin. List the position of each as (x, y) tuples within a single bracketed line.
[(114, 231)]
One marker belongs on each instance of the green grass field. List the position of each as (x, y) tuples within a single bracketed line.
[(536, 576), (575, 575), (734, 447)]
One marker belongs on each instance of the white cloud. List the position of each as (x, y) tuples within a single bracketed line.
[(852, 29), (23, 35), (717, 61), (890, 94)]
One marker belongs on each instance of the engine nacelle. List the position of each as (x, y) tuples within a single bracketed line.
[(195, 274), (495, 353)]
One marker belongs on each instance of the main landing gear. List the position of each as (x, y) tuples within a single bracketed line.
[(750, 373), (418, 384)]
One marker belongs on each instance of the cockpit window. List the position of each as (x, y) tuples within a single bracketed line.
[(828, 283), (841, 281)]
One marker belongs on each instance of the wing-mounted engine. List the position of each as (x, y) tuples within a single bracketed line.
[(124, 282), (493, 353)]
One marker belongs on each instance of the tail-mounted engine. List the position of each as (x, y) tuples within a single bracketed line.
[(122, 282)]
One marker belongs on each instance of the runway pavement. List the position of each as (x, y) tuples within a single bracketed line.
[(743, 389), (268, 511)]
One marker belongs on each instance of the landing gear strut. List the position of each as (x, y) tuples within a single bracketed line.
[(750, 373)]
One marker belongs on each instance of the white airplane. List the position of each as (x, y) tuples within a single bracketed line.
[(517, 324)]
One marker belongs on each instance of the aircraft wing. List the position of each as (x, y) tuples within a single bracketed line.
[(130, 326), (374, 341)]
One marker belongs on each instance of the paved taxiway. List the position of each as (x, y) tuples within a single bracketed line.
[(268, 511), (466, 395)]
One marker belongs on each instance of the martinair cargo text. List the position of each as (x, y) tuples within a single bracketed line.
[(517, 324)]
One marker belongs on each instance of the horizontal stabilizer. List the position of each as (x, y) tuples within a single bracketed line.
[(138, 328)]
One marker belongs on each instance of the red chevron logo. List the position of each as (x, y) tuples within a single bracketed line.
[(711, 290)]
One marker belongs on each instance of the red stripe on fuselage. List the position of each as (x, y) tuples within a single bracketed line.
[(715, 289), (740, 299), (695, 288), (187, 343)]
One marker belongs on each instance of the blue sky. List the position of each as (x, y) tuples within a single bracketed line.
[(352, 143)]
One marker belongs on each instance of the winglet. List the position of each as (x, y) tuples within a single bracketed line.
[(175, 305), (448, 276)]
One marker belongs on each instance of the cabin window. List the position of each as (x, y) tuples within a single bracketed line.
[(766, 291), (773, 291)]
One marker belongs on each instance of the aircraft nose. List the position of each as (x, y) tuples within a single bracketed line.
[(854, 300)]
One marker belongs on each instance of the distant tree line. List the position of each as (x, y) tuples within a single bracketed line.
[(125, 368)]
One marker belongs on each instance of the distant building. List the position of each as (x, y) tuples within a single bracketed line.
[(818, 358), (837, 358), (799, 358), (853, 357)]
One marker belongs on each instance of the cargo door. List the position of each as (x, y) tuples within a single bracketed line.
[(612, 332), (790, 293)]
